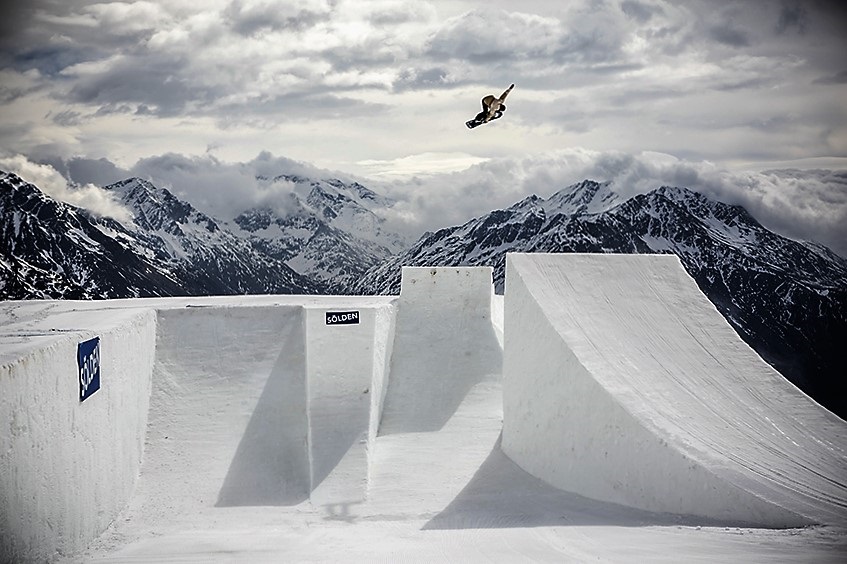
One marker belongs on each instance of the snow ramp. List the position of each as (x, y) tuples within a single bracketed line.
[(444, 345), (623, 383)]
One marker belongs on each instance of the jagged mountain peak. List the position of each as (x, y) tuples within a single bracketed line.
[(20, 188), (131, 183), (14, 181), (586, 197), (157, 209), (332, 189), (358, 191), (256, 219), (327, 228), (22, 196), (136, 190), (532, 201)]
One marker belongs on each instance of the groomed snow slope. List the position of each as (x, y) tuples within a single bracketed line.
[(623, 383)]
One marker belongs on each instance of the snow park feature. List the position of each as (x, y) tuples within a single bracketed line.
[(630, 387), (600, 409)]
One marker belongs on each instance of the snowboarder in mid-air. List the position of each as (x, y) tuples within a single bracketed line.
[(492, 108)]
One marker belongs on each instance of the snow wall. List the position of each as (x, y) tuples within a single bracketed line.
[(623, 383), (291, 410), (444, 344), (68, 467)]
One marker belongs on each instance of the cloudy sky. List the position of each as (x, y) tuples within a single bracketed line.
[(743, 100)]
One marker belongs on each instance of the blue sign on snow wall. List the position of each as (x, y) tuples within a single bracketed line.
[(88, 357)]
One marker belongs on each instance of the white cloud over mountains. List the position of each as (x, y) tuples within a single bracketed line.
[(88, 196), (801, 204)]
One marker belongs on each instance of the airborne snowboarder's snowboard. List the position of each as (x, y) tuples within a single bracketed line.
[(479, 121)]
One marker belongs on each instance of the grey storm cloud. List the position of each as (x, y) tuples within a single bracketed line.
[(247, 18), (793, 16), (162, 86), (433, 77), (100, 172), (640, 11), (246, 54), (728, 34), (140, 54), (491, 36), (838, 78)]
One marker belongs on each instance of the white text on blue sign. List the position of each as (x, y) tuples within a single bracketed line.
[(88, 362)]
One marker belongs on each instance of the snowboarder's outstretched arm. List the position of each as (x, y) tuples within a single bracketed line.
[(506, 93), (492, 104)]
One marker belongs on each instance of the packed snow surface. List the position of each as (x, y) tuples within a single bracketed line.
[(624, 383), (264, 441)]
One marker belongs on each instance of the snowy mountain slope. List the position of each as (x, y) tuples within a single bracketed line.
[(53, 250), (328, 229), (203, 254), (787, 299)]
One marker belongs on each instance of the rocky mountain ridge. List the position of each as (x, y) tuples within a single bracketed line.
[(328, 230), (787, 299), (52, 250)]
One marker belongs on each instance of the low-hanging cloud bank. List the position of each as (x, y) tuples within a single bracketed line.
[(800, 204), (213, 186), (87, 196)]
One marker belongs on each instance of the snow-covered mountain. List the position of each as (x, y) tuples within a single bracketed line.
[(50, 249), (54, 250), (328, 230), (787, 299)]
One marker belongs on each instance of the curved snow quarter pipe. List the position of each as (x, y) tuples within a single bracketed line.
[(623, 383)]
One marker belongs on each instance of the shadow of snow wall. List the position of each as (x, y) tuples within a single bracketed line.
[(276, 404)]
